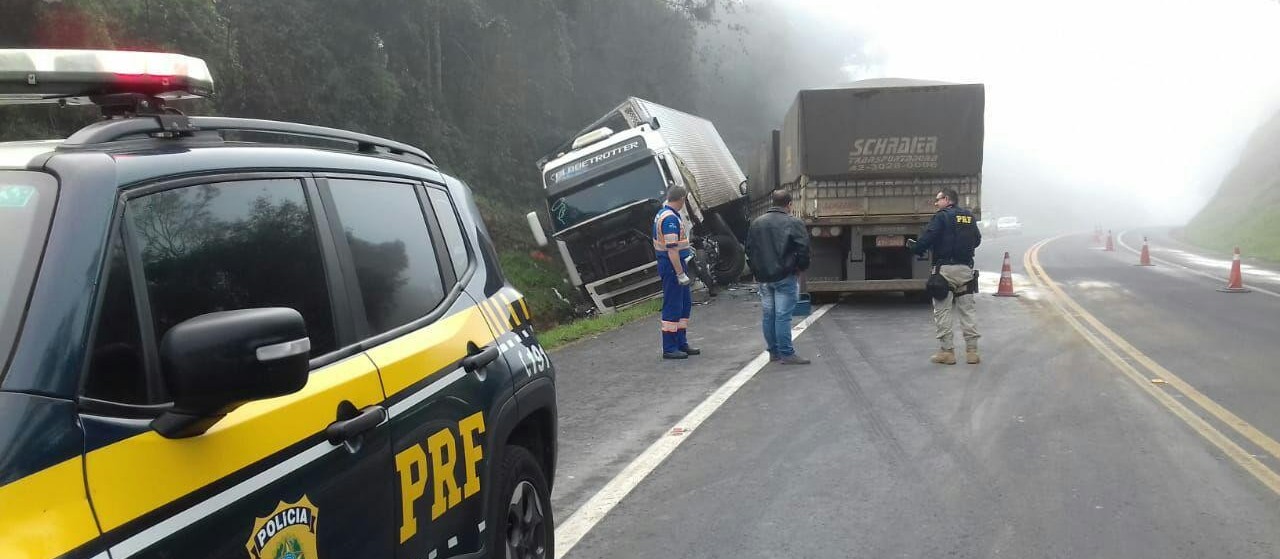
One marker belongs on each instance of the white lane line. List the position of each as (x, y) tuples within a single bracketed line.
[(1219, 279), (569, 533)]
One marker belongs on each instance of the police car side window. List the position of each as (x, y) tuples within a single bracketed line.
[(452, 229), (493, 278), (232, 245), (391, 247), (117, 370)]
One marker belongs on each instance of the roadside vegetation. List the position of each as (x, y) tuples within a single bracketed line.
[(585, 328), (1246, 210)]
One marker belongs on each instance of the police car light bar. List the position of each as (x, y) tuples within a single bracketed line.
[(46, 75)]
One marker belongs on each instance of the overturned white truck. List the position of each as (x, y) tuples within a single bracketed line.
[(604, 187)]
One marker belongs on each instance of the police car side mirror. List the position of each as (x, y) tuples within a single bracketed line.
[(215, 362)]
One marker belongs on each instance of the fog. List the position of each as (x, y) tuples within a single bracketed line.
[(1098, 112)]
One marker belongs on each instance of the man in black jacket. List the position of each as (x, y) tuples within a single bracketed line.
[(953, 235), (778, 248)]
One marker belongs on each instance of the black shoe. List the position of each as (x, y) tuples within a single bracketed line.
[(675, 355), (691, 350), (793, 360)]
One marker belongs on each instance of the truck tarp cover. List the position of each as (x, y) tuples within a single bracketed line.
[(869, 132)]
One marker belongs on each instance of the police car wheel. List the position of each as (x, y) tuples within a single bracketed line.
[(522, 508)]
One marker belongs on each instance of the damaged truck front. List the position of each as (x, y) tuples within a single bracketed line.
[(605, 188)]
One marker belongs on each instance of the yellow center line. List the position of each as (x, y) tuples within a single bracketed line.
[(1076, 316)]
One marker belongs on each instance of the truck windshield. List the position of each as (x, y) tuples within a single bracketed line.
[(26, 202), (600, 195)]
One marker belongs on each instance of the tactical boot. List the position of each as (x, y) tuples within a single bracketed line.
[(971, 356), (691, 350), (680, 355), (944, 357)]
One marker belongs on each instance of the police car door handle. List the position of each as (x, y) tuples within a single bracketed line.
[(479, 360), (348, 430)]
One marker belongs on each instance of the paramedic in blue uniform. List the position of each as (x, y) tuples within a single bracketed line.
[(671, 248)]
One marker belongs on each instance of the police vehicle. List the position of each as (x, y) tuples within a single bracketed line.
[(224, 337)]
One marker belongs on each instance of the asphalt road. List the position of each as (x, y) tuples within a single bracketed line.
[(1046, 449)]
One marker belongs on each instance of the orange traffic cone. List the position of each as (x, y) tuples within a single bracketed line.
[(1006, 280), (1144, 259), (1111, 245), (1097, 236), (1235, 284)]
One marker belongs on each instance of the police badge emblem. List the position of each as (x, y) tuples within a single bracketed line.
[(287, 533)]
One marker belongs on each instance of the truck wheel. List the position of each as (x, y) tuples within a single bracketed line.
[(520, 512), (730, 261)]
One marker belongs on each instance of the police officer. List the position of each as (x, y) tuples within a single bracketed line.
[(953, 235), (672, 249)]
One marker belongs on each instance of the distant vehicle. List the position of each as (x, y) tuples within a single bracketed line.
[(1008, 224)]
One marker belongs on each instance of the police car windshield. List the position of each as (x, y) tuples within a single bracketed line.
[(26, 199), (599, 196)]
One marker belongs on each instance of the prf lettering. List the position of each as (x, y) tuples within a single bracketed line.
[(964, 219), (438, 455)]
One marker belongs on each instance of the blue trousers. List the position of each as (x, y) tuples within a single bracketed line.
[(677, 303), (778, 301)]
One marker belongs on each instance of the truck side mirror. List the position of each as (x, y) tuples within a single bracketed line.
[(535, 226), (653, 123), (742, 187)]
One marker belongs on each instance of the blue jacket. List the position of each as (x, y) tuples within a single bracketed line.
[(940, 235)]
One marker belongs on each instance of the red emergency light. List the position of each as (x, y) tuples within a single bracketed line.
[(48, 75)]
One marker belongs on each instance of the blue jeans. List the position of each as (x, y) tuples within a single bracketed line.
[(778, 300)]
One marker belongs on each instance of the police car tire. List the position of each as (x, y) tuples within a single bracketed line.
[(520, 470)]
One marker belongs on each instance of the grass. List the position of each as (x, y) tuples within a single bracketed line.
[(1255, 229), (539, 279), (562, 335)]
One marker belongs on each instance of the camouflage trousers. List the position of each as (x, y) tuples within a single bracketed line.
[(944, 311)]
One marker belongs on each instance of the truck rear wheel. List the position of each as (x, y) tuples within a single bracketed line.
[(730, 259)]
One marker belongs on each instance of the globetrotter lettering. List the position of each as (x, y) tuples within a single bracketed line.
[(894, 153), (577, 168)]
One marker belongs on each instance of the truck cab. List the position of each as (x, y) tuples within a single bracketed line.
[(603, 192), (601, 199)]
